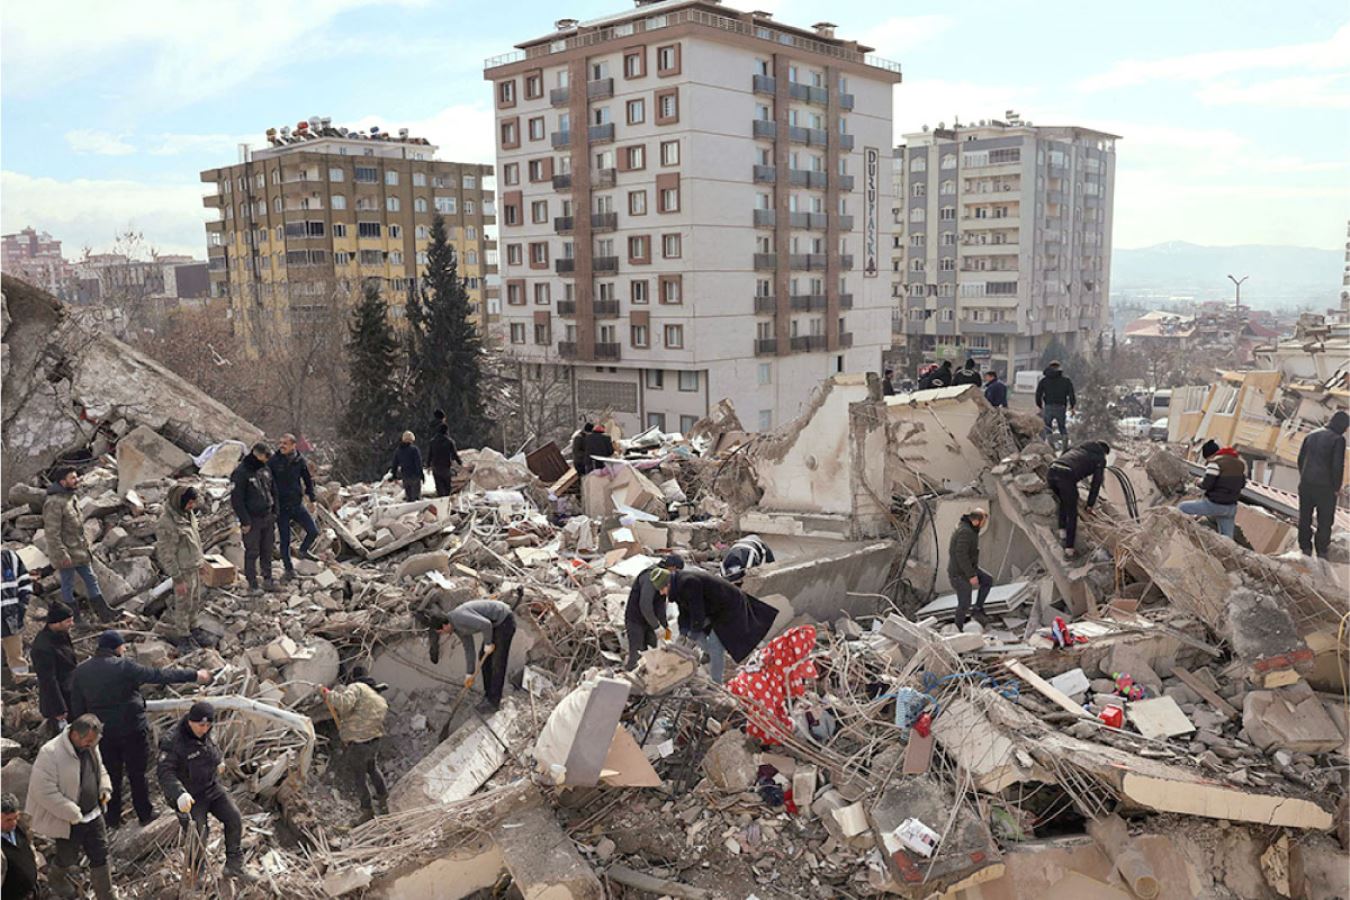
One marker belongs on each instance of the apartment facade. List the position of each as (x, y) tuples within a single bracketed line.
[(322, 210), (693, 206), (1002, 242), (35, 256)]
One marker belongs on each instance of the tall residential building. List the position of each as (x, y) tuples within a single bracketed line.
[(693, 207), (35, 256), (1002, 242), (323, 210)]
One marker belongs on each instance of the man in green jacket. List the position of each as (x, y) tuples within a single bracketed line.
[(963, 566), (178, 548), (67, 545), (360, 712)]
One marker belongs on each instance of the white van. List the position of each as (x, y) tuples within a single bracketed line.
[(1162, 402), (1025, 382)]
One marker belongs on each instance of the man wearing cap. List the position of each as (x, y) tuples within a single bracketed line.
[(645, 615), (719, 617), (178, 548), (67, 792), (19, 875), (68, 545), (360, 712), (189, 763), (16, 590), (54, 664), (1225, 477), (963, 566), (108, 685), (496, 623), (254, 498)]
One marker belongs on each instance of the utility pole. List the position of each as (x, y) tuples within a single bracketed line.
[(1238, 322), (1237, 286)]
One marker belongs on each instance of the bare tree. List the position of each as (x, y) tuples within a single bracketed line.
[(130, 282), (537, 400)]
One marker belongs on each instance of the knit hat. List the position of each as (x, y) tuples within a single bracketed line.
[(1209, 448), (672, 561), (1340, 420), (201, 711), (110, 640), (9, 803), (58, 612), (660, 577)]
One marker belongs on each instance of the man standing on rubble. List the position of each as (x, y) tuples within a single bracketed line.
[(294, 485), (716, 615), (20, 870), (442, 456), (995, 391), (360, 712), (744, 555), (67, 545), (645, 615), (1055, 399), (1321, 474), (109, 686), (963, 566), (598, 445), (178, 547), (968, 374), (254, 499), (16, 589), (1084, 461), (1225, 477), (189, 763), (67, 792), (53, 657), (407, 467), (580, 460), (496, 623)]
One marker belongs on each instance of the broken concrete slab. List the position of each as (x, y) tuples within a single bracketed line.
[(974, 743), (541, 858), (143, 455), (421, 563), (730, 762), (1291, 717), (458, 766), (967, 851), (1158, 718), (580, 730), (315, 664)]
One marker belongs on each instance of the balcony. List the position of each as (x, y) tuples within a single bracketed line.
[(567, 349), (808, 302), (846, 340), (567, 308), (601, 134), (559, 96), (808, 94), (764, 128), (765, 305), (766, 346), (605, 221), (562, 182), (1056, 197), (607, 351), (970, 327), (845, 223), (605, 309), (808, 342), (845, 182), (814, 137), (603, 177), (604, 264), (845, 142), (846, 262), (765, 218), (562, 224), (561, 139), (845, 301), (766, 174), (564, 266), (846, 102), (808, 179), (808, 261), (764, 84), (766, 261), (601, 89)]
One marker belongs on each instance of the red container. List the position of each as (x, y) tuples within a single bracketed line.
[(1113, 716)]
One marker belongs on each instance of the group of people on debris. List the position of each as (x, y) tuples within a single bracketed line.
[(590, 445), (995, 390), (442, 460)]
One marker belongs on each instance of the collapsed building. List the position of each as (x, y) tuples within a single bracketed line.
[(1188, 739)]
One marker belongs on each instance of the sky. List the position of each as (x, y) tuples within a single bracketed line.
[(1235, 115)]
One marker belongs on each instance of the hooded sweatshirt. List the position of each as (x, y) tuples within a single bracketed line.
[(178, 545), (1055, 389), (1321, 459), (64, 526), (1225, 477)]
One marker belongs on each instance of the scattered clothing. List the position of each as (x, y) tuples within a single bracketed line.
[(744, 555), (776, 673)]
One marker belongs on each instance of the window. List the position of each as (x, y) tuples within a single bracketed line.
[(470, 182), (342, 259), (471, 257), (395, 258), (391, 177), (638, 336), (420, 205), (949, 160), (765, 420), (668, 60), (600, 116), (637, 292), (670, 153), (536, 128), (542, 294), (338, 201), (421, 257), (667, 107), (918, 164), (635, 64), (639, 248), (391, 204), (539, 211), (468, 207), (334, 174), (604, 159), (765, 375), (510, 134), (670, 246), (599, 70), (947, 264), (515, 255), (656, 379), (637, 111), (674, 335), (688, 381), (919, 189), (636, 157), (276, 205), (470, 233), (947, 214), (419, 179), (637, 203), (670, 289), (536, 169), (421, 232), (367, 229), (515, 293), (517, 332), (445, 205), (534, 88), (669, 200), (506, 93), (396, 231), (511, 173), (917, 214), (368, 257)]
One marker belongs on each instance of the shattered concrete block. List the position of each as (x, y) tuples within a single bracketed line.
[(542, 859), (316, 663), (21, 492), (1290, 717), (14, 776), (325, 578), (1262, 634), (344, 881), (457, 767), (1029, 483), (965, 733), (223, 460), (730, 762), (661, 668), (143, 455), (421, 563)]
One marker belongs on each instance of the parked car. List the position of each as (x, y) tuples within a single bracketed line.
[(1136, 427), (1158, 430)]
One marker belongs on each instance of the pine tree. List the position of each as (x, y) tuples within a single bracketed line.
[(447, 360), (370, 418)]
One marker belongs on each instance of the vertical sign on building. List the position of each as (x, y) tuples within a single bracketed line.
[(872, 190)]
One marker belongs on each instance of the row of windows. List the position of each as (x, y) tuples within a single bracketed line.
[(313, 229), (667, 201), (634, 66), (544, 168), (669, 288), (445, 205), (666, 104), (638, 336), (361, 174)]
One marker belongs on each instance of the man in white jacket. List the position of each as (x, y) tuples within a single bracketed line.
[(66, 795)]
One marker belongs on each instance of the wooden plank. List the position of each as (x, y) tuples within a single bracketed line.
[(1044, 688), (1213, 699)]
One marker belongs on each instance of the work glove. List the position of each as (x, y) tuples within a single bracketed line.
[(468, 681), (104, 797), (185, 802), (665, 633)]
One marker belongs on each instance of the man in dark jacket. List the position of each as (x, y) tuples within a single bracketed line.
[(888, 384), (1225, 477), (581, 461), (744, 555), (253, 496), (645, 615), (16, 589), (716, 615), (967, 374), (598, 444), (1084, 461), (963, 566), (1321, 474), (53, 657), (21, 874), (108, 686), (407, 467), (494, 621), (936, 378), (995, 391), (294, 485), (188, 765), (1054, 400), (442, 454)]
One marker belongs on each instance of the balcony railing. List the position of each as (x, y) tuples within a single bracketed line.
[(846, 102), (766, 304), (766, 346), (808, 261), (564, 266), (605, 264), (601, 89), (806, 178), (559, 96), (606, 221), (845, 340), (764, 84), (567, 308), (845, 301), (567, 349), (846, 262), (765, 218), (845, 223), (845, 182), (764, 128), (808, 93), (808, 342), (603, 177), (766, 174), (808, 302), (601, 134), (766, 261), (562, 224), (845, 142), (562, 182), (607, 351), (605, 309), (561, 139)]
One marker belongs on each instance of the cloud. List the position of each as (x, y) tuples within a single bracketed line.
[(1305, 92), (1331, 54), (217, 145), (463, 132), (102, 143), (901, 33), (90, 212)]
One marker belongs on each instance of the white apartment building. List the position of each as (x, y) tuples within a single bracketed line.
[(1001, 242), (694, 205)]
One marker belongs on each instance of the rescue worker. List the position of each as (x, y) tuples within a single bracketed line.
[(1087, 460), (496, 624), (995, 391), (294, 484), (54, 664), (407, 467), (1321, 474), (16, 589), (67, 792), (645, 615), (254, 499), (360, 712), (1225, 477), (963, 566), (442, 456), (967, 374), (67, 544), (744, 555), (178, 547), (716, 615), (1055, 399)]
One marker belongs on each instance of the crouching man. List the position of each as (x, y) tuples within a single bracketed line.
[(189, 766), (360, 712)]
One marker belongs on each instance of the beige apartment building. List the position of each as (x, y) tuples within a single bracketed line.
[(694, 206), (1001, 242), (322, 210)]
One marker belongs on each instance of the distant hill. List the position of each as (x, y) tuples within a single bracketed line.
[(1276, 273)]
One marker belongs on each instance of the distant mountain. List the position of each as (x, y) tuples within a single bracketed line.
[(1275, 272)]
